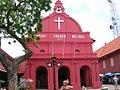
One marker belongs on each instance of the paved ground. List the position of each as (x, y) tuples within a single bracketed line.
[(106, 87), (111, 87)]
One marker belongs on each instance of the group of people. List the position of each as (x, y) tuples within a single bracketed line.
[(112, 80), (24, 86), (69, 87)]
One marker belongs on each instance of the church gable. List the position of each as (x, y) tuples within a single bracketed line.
[(73, 26), (60, 23), (62, 35)]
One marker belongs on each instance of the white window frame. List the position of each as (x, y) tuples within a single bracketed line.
[(104, 64), (112, 63)]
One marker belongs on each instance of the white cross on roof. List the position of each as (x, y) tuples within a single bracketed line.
[(59, 21)]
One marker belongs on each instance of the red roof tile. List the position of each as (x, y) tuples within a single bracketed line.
[(21, 68), (10, 58), (109, 48), (2, 68)]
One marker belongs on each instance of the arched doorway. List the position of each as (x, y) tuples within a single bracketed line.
[(85, 76), (63, 74), (41, 78)]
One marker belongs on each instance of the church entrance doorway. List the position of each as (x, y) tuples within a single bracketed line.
[(41, 78), (63, 74), (85, 76)]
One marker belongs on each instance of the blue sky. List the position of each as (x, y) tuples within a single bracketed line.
[(92, 15)]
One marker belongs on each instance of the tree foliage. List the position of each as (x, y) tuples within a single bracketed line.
[(18, 17)]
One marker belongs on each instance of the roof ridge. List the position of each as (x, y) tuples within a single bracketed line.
[(109, 47)]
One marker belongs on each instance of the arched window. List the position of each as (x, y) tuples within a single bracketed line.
[(77, 51), (63, 74), (42, 51), (85, 75), (41, 78)]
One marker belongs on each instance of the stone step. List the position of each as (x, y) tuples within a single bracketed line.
[(41, 89)]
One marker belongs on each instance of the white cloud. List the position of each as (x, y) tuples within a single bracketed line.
[(93, 16), (13, 49)]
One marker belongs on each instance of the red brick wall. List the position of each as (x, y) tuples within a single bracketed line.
[(109, 68)]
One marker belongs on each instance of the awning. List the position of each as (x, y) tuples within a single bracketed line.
[(101, 75), (2, 68), (109, 74), (2, 81), (117, 74)]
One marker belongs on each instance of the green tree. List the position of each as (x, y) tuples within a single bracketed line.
[(20, 19)]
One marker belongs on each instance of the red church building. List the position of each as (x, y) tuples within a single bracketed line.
[(63, 38), (65, 52)]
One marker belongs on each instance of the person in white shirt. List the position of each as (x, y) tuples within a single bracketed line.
[(115, 80), (66, 86)]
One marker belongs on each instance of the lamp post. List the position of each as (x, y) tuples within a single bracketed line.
[(54, 63), (54, 75)]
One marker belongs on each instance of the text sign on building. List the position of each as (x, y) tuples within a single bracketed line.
[(75, 36), (63, 36)]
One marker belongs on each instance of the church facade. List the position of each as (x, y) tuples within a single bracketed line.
[(65, 52)]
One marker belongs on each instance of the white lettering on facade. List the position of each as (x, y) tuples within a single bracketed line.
[(78, 36), (59, 36), (62, 36), (59, 21)]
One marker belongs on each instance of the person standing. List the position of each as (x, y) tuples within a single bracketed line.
[(66, 86), (84, 88), (115, 80)]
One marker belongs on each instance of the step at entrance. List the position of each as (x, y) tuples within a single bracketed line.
[(41, 89)]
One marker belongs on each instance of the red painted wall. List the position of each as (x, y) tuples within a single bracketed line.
[(116, 68), (64, 40)]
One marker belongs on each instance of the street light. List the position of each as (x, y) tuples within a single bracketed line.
[(53, 63), (54, 75)]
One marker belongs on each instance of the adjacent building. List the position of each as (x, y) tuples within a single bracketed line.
[(3, 74), (109, 57)]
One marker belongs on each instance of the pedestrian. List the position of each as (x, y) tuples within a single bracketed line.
[(28, 87), (66, 86), (115, 80), (22, 85), (84, 88)]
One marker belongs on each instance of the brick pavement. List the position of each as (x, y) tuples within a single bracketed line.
[(110, 87)]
